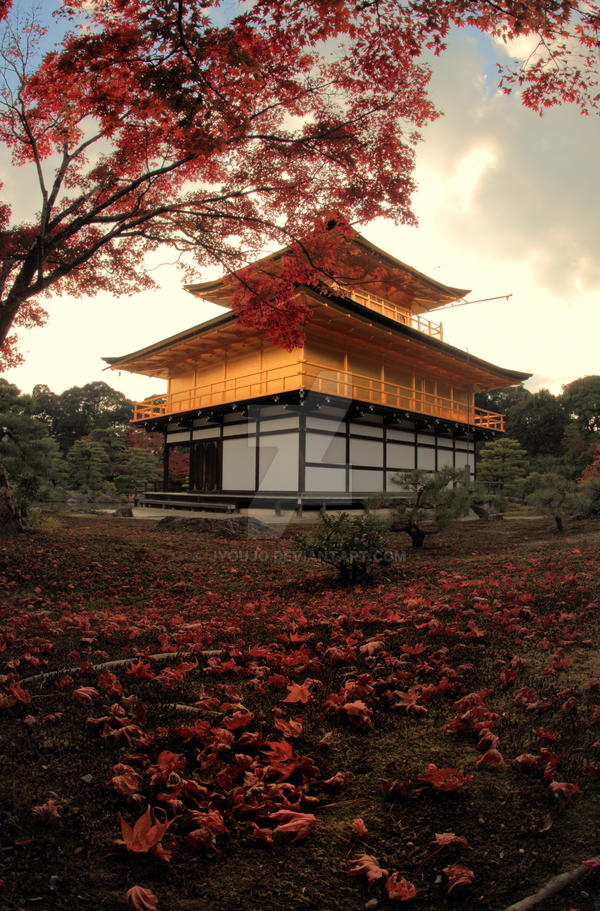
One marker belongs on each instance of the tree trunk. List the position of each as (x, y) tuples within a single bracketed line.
[(559, 523), (10, 520), (417, 535)]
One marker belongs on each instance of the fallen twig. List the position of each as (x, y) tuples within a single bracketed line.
[(120, 662), (554, 885)]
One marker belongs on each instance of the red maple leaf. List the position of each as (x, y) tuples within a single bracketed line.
[(487, 740), (367, 865), (565, 788), (528, 761), (358, 827), (458, 876), (298, 693), (410, 700), (85, 692), (399, 890), (265, 835), (237, 720), (299, 824), (491, 757), (145, 834), (448, 838), (278, 750), (360, 710), (47, 812), (445, 779), (290, 728), (19, 693), (140, 670), (140, 899), (124, 780)]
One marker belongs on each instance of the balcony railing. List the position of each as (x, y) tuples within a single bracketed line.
[(393, 311), (318, 378), (404, 398), (235, 389)]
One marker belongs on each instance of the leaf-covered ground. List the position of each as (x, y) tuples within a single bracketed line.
[(269, 740)]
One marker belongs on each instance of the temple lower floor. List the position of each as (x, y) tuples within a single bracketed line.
[(308, 449)]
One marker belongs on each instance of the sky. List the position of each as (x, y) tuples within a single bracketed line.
[(508, 204)]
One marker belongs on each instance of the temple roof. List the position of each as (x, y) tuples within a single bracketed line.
[(340, 311), (361, 265), (223, 333)]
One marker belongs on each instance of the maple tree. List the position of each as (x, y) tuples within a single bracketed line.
[(592, 470), (163, 122)]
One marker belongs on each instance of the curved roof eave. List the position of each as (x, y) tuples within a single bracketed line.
[(427, 340), (447, 291)]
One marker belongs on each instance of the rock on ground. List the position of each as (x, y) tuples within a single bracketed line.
[(227, 527)]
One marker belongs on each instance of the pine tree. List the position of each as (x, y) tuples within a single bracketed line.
[(433, 499), (501, 467), (31, 458)]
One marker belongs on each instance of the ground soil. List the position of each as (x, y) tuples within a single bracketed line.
[(503, 616)]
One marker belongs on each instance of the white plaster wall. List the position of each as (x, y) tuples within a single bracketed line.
[(402, 457), (445, 458), (365, 481), (207, 433), (463, 459), (426, 459), (326, 480), (404, 435), (367, 430), (322, 447), (181, 437), (278, 464), (391, 487), (366, 452), (334, 422), (290, 423), (235, 429), (239, 464)]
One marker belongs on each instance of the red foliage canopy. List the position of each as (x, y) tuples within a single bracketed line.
[(157, 122)]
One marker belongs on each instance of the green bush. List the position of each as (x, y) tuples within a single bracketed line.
[(355, 545)]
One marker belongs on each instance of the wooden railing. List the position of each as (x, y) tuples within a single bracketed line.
[(235, 389), (322, 379), (393, 311), (405, 398)]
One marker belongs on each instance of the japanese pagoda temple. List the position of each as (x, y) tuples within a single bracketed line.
[(373, 391)]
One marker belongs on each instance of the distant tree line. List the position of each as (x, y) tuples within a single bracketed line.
[(77, 442), (550, 454), (558, 433), (81, 440)]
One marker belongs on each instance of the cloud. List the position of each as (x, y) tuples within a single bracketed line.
[(507, 203), (534, 187), (469, 172)]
